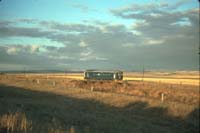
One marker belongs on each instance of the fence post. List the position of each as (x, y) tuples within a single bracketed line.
[(54, 83), (38, 81), (162, 97), (92, 88)]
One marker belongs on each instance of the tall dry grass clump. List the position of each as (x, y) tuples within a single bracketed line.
[(15, 122)]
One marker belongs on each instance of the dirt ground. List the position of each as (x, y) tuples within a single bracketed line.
[(54, 105)]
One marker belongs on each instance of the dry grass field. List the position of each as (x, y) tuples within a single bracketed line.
[(62, 103), (180, 77)]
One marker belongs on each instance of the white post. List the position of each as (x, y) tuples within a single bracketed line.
[(92, 88), (38, 81), (54, 83), (162, 97)]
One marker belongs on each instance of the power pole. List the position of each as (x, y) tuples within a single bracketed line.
[(65, 77), (142, 73), (24, 71)]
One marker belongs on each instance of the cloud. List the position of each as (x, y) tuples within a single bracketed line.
[(86, 53), (83, 44), (83, 8), (34, 48), (12, 50), (27, 20), (178, 4), (62, 57), (154, 42), (23, 32), (4, 23), (17, 49), (169, 30), (154, 22), (127, 45), (18, 57), (158, 38), (154, 9)]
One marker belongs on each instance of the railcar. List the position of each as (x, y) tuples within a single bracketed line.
[(103, 75)]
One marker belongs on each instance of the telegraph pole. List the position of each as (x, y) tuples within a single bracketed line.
[(142, 73), (24, 71)]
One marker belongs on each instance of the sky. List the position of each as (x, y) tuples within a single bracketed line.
[(99, 34)]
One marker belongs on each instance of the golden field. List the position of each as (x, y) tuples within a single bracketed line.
[(62, 103), (180, 77)]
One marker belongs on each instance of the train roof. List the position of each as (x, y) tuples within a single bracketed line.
[(111, 71)]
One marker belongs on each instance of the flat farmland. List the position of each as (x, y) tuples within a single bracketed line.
[(65, 103), (182, 78)]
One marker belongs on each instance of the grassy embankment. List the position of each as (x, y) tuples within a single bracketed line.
[(40, 104)]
